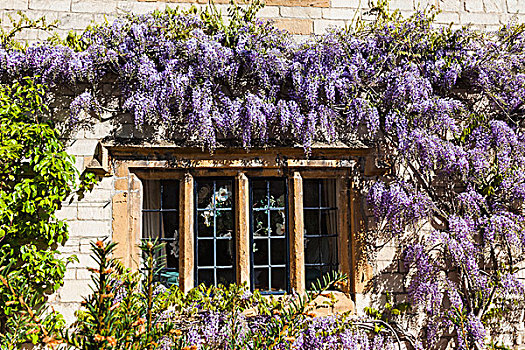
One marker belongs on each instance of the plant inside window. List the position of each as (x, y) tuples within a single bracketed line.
[(160, 222)]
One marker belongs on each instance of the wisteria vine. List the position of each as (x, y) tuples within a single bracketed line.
[(443, 107)]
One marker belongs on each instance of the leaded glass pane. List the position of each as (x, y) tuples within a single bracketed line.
[(160, 222), (320, 228), (269, 235), (214, 231)]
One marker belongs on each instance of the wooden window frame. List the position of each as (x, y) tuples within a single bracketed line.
[(127, 205)]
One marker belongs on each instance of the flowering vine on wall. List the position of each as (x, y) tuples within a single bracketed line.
[(444, 107)]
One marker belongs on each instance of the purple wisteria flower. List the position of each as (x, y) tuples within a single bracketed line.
[(442, 109)]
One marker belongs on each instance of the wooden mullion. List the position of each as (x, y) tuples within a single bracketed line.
[(296, 233), (186, 234), (345, 215), (242, 229)]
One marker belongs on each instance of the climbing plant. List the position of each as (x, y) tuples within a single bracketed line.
[(36, 176), (443, 109)]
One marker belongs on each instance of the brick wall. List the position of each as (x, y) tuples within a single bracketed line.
[(300, 17)]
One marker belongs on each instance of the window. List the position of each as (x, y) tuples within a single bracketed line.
[(214, 232), (273, 228), (320, 229), (269, 235), (160, 221)]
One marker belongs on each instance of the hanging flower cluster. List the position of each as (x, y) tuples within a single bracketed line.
[(444, 106)]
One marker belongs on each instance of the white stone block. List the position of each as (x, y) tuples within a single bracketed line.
[(403, 5), (321, 26), (82, 147), (268, 12), (50, 5), (516, 6), (450, 5), (77, 21), (84, 261), (94, 212), (301, 12), (495, 5), (140, 8), (425, 4), (83, 274), (94, 6), (447, 17), (98, 130), (91, 228), (79, 163), (16, 4), (491, 27), (70, 274), (31, 35), (106, 183), (74, 290), (520, 17), (362, 301), (479, 18), (385, 265), (103, 18), (67, 310), (85, 245), (68, 212), (71, 247), (385, 258), (53, 298), (97, 195), (37, 14), (349, 3), (474, 6), (339, 13)]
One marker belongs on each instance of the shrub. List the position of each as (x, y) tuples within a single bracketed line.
[(36, 176), (133, 311), (443, 108)]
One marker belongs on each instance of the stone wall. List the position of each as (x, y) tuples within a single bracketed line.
[(301, 17), (91, 218)]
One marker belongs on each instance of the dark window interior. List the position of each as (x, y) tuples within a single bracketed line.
[(320, 228), (160, 221), (214, 232), (269, 231), (215, 225)]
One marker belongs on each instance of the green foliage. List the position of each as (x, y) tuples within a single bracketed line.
[(388, 311), (131, 310), (26, 275), (23, 22), (294, 311), (36, 176), (238, 17), (97, 324), (119, 313)]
